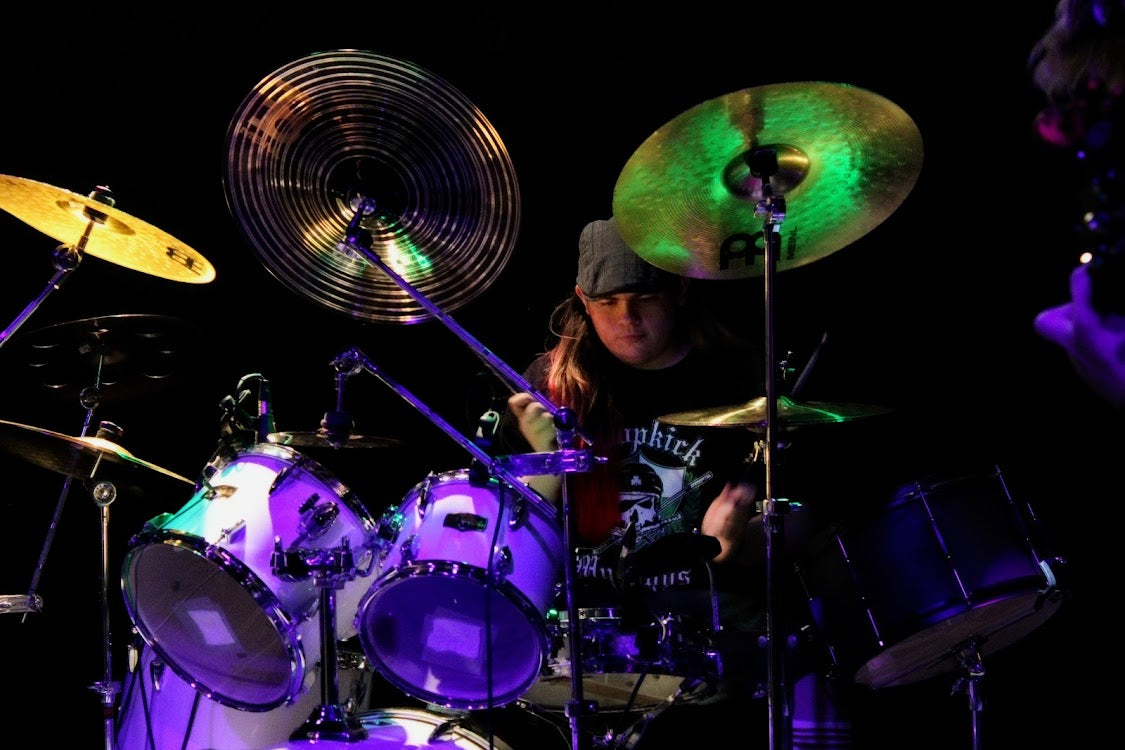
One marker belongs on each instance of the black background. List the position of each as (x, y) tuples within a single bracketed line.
[(929, 314)]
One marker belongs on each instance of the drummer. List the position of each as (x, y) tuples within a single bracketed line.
[(632, 343)]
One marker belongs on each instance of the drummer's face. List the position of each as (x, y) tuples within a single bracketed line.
[(638, 328)]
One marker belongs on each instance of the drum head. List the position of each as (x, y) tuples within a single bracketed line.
[(213, 622), (441, 635)]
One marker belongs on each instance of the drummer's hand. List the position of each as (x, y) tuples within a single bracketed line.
[(1094, 342), (728, 517), (536, 423)]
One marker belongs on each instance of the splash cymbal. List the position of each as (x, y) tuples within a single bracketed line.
[(846, 158), (322, 134), (114, 235), (86, 457), (790, 414), (131, 355)]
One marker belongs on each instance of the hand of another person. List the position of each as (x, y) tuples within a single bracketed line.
[(536, 423), (1095, 343), (728, 516)]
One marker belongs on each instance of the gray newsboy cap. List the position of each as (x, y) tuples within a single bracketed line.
[(606, 265)]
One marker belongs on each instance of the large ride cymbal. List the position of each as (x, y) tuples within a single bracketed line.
[(87, 457), (114, 235), (790, 414), (323, 132), (686, 200)]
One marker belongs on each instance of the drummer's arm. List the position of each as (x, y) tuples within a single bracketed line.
[(733, 519), (537, 425)]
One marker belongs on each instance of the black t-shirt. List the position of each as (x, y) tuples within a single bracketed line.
[(665, 478)]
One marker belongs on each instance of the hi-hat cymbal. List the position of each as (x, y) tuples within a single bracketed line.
[(325, 439), (130, 356), (686, 200), (790, 414), (319, 135), (87, 457), (114, 235)]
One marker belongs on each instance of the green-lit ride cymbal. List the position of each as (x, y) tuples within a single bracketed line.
[(688, 202)]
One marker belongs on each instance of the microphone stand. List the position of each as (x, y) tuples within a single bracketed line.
[(763, 164)]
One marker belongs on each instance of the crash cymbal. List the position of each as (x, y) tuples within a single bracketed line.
[(114, 235), (323, 439), (846, 158), (322, 132), (87, 457), (790, 414), (129, 356)]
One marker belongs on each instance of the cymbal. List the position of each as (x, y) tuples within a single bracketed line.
[(131, 356), (114, 235), (323, 439), (321, 133), (85, 457), (686, 200), (790, 414)]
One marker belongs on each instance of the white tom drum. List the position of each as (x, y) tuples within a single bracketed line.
[(456, 615), (200, 585)]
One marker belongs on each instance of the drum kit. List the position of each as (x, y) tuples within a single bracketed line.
[(375, 189)]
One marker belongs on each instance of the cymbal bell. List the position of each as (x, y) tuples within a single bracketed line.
[(687, 200), (113, 236), (790, 414), (327, 134), (324, 439), (86, 457)]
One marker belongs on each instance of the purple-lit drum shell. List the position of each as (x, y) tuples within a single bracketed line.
[(423, 621), (200, 587), (160, 711), (899, 595)]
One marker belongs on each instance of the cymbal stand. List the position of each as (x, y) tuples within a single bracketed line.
[(66, 259), (763, 164), (971, 660), (329, 569), (565, 460)]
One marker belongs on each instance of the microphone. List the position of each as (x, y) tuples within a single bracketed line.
[(265, 411)]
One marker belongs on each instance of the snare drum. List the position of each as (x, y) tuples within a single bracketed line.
[(200, 587), (456, 615), (943, 567), (625, 668)]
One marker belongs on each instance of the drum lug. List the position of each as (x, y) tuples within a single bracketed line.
[(425, 494), (502, 564), (519, 513), (409, 549), (317, 519)]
